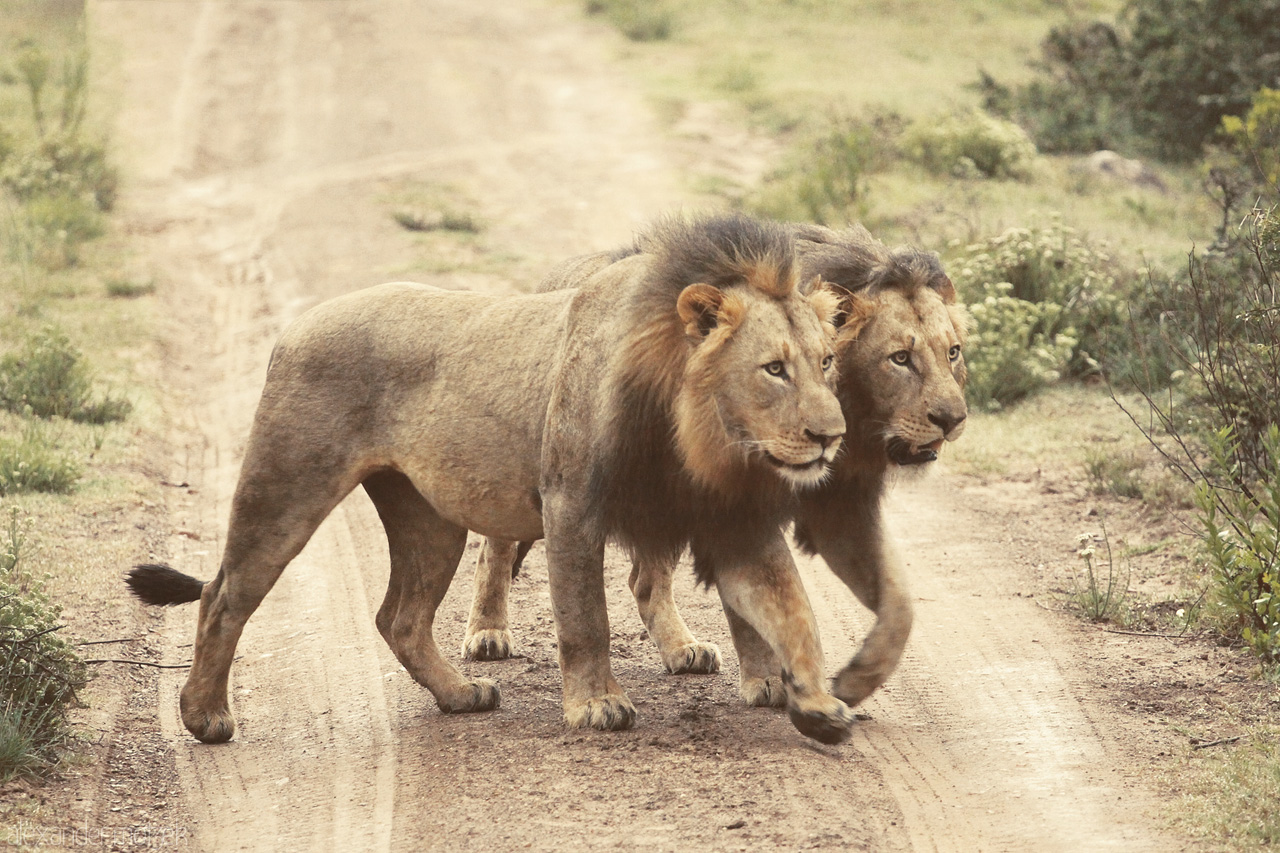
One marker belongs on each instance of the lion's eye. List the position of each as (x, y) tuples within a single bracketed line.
[(901, 357), (954, 353), (827, 362), (776, 368)]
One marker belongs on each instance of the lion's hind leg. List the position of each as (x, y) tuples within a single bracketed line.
[(680, 651), (425, 550), (271, 521)]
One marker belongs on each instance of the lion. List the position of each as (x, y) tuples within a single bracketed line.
[(901, 380), (682, 397)]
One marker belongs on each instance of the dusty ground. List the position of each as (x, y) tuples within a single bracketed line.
[(266, 145)]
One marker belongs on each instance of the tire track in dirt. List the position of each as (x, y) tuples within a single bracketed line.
[(979, 733)]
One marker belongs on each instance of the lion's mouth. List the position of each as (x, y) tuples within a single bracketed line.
[(816, 465), (902, 452)]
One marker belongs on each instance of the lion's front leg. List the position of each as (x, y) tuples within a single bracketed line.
[(877, 580), (575, 567), (768, 596), (852, 541), (681, 652), (488, 637), (760, 675)]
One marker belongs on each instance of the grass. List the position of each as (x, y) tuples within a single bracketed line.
[(801, 56), (795, 71), (78, 360), (1228, 795), (36, 463)]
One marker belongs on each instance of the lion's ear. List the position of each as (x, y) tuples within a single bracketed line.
[(699, 309), (945, 289), (846, 311)]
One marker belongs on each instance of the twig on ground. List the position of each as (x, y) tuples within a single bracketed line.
[(106, 642), (1151, 634), (142, 663)]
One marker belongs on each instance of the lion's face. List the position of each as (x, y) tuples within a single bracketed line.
[(759, 383), (904, 372)]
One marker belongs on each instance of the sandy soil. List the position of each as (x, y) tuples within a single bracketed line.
[(264, 143)]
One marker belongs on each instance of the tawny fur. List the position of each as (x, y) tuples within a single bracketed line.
[(407, 390), (885, 301)]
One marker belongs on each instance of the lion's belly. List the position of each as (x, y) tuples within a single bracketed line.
[(476, 465), (504, 509)]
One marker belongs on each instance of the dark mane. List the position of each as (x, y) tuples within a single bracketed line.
[(648, 499), (856, 261)]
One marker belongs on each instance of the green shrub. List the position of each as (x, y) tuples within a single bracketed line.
[(124, 288), (1075, 103), (1010, 355), (1242, 535), (47, 378), (34, 463), (1112, 473), (61, 166), (58, 225), (1221, 429), (40, 671), (1159, 82), (436, 219), (1048, 304), (824, 178), (1255, 138), (970, 145), (638, 20)]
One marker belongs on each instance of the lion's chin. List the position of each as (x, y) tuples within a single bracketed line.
[(902, 452), (805, 475)]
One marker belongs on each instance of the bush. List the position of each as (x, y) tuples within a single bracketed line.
[(1223, 425), (62, 166), (638, 20), (1072, 104), (1255, 138), (971, 145), (1160, 82), (1009, 354), (35, 464), (1048, 305), (1242, 536), (48, 379), (40, 671), (825, 177)]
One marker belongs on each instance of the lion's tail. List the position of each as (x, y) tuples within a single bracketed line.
[(161, 585)]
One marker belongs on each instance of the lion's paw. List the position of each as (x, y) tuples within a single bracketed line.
[(215, 726), (695, 658), (855, 683), (482, 695), (605, 713), (487, 644), (825, 719), (764, 692)]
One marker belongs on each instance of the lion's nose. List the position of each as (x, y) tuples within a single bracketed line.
[(946, 421), (824, 439)]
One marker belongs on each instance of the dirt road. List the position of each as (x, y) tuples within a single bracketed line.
[(262, 143)]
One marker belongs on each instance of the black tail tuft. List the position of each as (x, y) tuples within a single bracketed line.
[(155, 584)]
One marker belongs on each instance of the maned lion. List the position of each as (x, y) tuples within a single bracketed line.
[(681, 397), (901, 377)]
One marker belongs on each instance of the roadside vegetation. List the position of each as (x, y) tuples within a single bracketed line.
[(69, 340), (1102, 180)]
